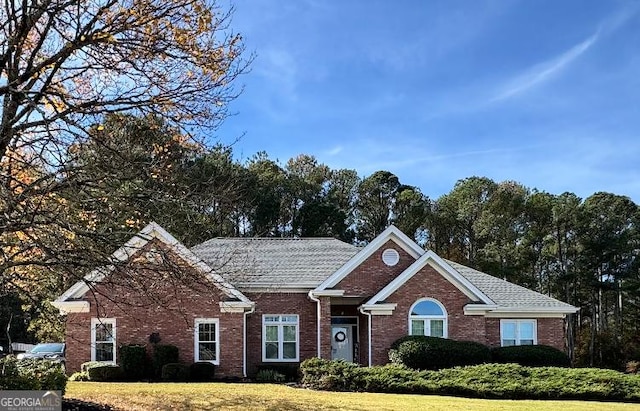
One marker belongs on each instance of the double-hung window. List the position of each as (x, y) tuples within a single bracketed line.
[(103, 339), (428, 317), (280, 338), (518, 332), (207, 340)]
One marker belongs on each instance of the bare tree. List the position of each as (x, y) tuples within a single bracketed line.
[(65, 65)]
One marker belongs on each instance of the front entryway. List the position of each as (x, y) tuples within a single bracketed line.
[(344, 338)]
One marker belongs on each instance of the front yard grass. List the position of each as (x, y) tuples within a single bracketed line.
[(219, 396)]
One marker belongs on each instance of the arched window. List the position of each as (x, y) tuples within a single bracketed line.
[(428, 317)]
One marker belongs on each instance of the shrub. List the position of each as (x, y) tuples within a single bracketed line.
[(175, 372), (432, 353), (134, 361), (164, 354), (531, 356), (79, 376), (105, 372), (290, 372), (509, 381), (89, 364), (633, 367), (268, 375), (202, 371), (31, 374)]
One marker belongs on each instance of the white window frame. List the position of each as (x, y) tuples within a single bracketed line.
[(426, 319), (280, 324), (196, 339), (517, 323), (99, 321)]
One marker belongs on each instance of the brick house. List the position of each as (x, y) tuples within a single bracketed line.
[(252, 303)]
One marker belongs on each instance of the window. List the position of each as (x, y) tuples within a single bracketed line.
[(280, 338), (428, 317), (206, 340), (518, 332), (103, 339)]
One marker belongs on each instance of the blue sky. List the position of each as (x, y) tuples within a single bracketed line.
[(546, 93)]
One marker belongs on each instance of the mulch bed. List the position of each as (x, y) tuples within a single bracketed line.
[(77, 405)]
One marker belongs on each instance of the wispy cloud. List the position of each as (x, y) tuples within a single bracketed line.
[(334, 151), (544, 71)]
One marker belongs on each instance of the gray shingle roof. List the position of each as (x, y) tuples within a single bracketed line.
[(504, 293), (275, 262)]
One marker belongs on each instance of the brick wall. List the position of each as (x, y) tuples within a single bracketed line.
[(426, 283), (372, 275), (550, 332), (157, 302), (283, 303)]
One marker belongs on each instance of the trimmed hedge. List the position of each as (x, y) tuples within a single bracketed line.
[(175, 372), (31, 374), (531, 356), (105, 372), (509, 381), (164, 354), (202, 371), (134, 362), (433, 353)]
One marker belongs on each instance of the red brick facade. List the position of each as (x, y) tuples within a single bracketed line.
[(173, 317), (372, 275)]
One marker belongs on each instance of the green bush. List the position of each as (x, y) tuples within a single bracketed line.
[(31, 374), (268, 375), (134, 362), (531, 356), (175, 372), (202, 371), (164, 354), (105, 372), (433, 353), (509, 381)]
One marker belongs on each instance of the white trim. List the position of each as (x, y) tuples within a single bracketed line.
[(235, 306), (443, 268), (392, 233), (66, 307), (280, 324), (196, 339), (517, 324), (312, 297), (150, 232), (379, 309), (444, 317), (368, 314), (327, 293), (98, 321), (518, 312)]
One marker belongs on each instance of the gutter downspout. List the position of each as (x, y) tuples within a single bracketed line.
[(244, 340), (318, 309), (368, 314)]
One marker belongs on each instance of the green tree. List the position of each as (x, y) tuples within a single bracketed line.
[(375, 204)]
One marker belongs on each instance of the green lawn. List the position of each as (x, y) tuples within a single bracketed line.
[(218, 396)]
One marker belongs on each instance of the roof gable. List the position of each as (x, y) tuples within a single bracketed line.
[(392, 233), (443, 268), (152, 231)]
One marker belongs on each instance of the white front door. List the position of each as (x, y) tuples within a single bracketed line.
[(342, 342)]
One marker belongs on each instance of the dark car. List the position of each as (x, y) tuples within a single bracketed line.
[(46, 351)]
